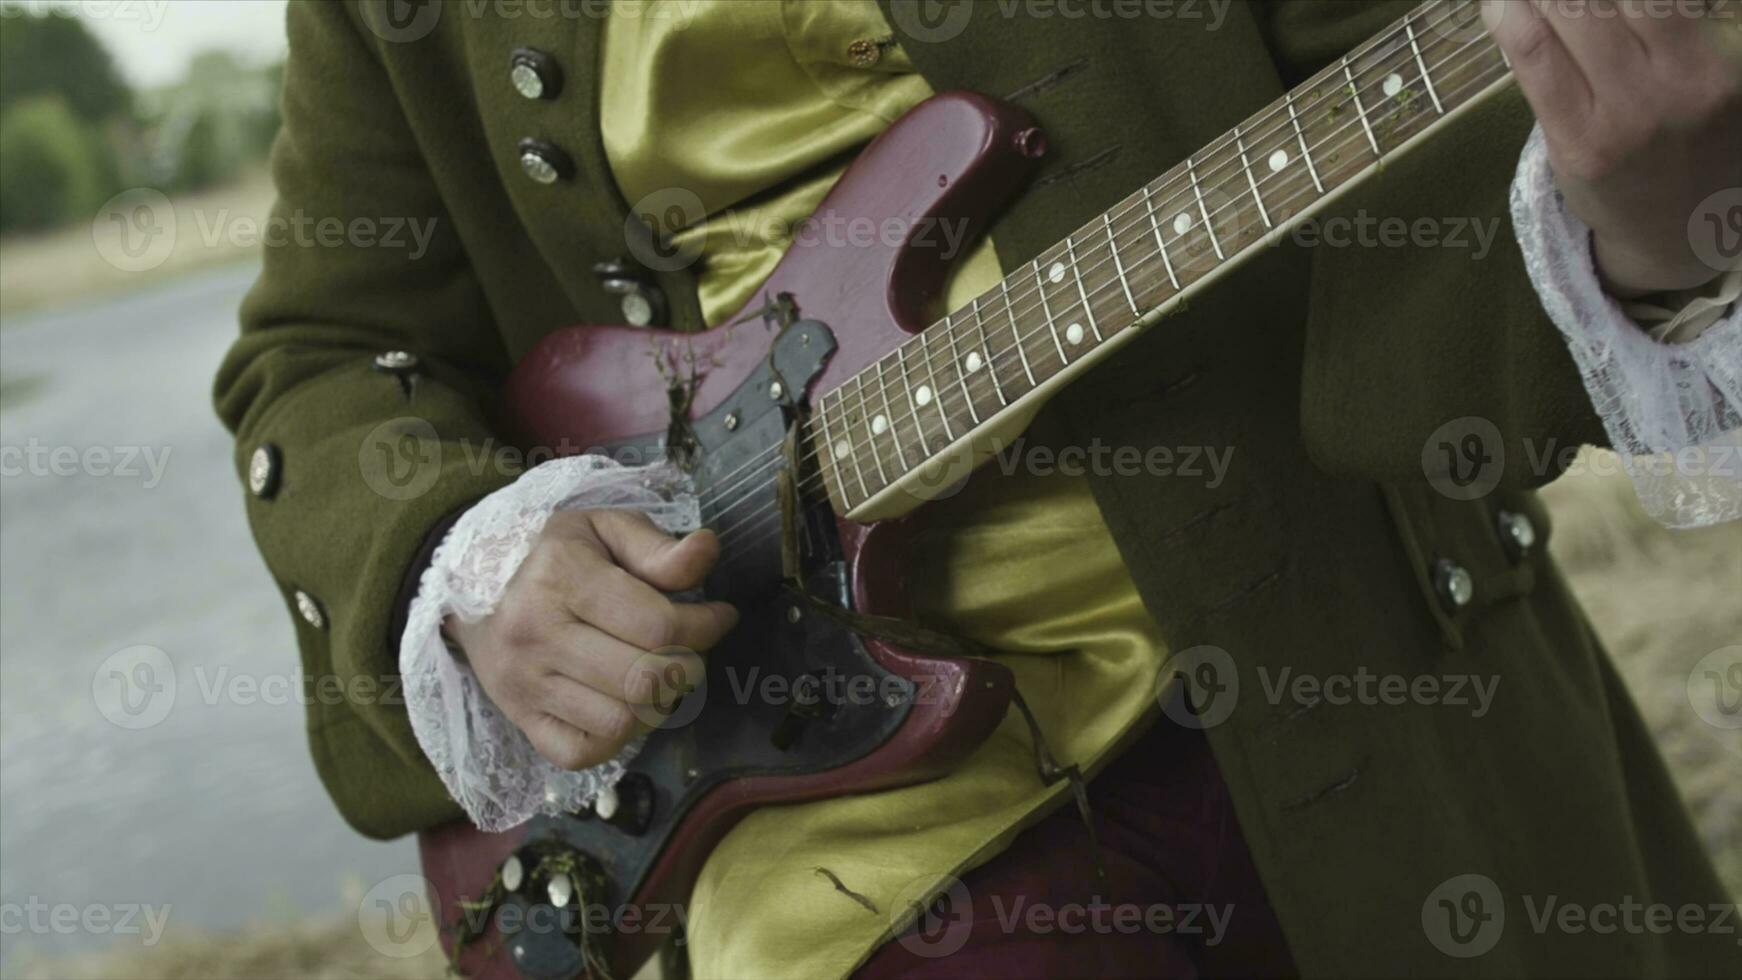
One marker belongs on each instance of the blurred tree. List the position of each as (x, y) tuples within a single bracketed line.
[(52, 165), (44, 54)]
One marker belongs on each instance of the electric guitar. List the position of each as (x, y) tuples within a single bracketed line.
[(839, 390)]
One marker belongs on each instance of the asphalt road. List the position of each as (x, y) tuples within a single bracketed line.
[(121, 526)]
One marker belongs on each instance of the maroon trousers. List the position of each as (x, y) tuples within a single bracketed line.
[(1180, 897)]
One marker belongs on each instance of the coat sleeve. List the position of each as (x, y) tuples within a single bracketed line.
[(1420, 348), (359, 462)]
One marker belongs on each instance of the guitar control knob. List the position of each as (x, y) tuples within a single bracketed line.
[(628, 806)]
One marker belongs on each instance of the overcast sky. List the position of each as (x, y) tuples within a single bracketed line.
[(153, 40)]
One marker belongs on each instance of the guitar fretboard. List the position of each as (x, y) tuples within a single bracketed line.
[(921, 404)]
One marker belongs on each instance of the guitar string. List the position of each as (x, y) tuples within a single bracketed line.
[(817, 477), (1351, 134), (1154, 205), (930, 357)]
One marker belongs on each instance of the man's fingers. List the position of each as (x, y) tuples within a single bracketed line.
[(607, 720), (612, 667), (667, 563), (633, 611), (564, 745), (1552, 81)]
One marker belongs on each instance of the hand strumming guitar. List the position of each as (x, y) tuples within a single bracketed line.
[(566, 653)]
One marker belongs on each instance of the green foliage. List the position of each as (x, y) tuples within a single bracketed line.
[(53, 167), (45, 54)]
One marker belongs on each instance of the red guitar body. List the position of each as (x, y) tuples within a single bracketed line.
[(957, 158)]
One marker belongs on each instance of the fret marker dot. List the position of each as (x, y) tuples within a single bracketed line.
[(842, 450), (973, 362), (879, 425), (1393, 84), (922, 395), (1182, 223), (1278, 160), (1057, 272), (1074, 334)]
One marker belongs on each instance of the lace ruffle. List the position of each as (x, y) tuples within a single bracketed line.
[(486, 762), (1671, 410)]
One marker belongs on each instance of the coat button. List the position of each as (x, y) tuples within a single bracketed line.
[(512, 873), (544, 162), (642, 303), (1517, 534), (1453, 583), (534, 74), (310, 610), (263, 471), (396, 361)]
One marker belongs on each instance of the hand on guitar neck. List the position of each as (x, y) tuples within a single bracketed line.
[(1642, 114), (570, 652)]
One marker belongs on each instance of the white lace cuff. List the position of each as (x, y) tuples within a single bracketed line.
[(1673, 411), (487, 764)]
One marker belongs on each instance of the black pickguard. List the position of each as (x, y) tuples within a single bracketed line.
[(845, 704)]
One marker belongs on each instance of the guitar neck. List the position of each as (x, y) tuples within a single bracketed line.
[(918, 419)]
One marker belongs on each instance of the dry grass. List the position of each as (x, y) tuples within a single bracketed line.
[(1661, 599), (61, 265)]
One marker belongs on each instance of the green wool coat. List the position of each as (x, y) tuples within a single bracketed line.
[(1335, 374)]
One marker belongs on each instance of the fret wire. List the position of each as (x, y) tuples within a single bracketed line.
[(1246, 165), (1160, 246), (1118, 267), (871, 436), (894, 436), (1051, 324), (961, 372), (986, 358), (1422, 64), (937, 391), (1481, 82), (1301, 136), (1016, 328), (823, 412), (1191, 171), (1360, 110)]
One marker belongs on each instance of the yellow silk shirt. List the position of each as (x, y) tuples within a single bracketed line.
[(756, 106)]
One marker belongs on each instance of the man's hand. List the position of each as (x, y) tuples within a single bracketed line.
[(583, 629), (1641, 107)]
